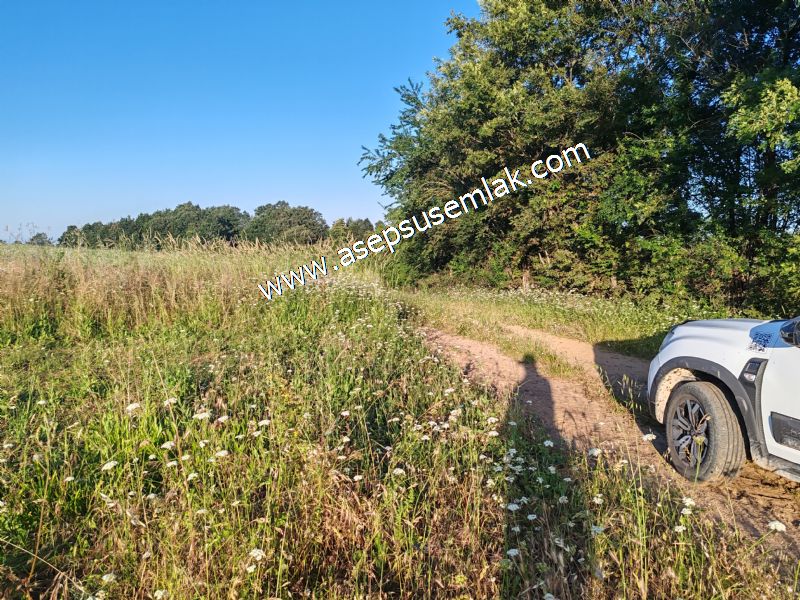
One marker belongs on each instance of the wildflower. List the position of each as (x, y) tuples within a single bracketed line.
[(8, 446), (597, 529), (598, 499), (172, 463), (512, 552), (256, 433), (257, 554), (649, 437), (250, 568), (425, 437), (516, 529), (512, 423), (109, 465), (595, 452), (679, 528), (548, 443), (222, 419), (398, 472), (549, 596), (203, 443), (132, 407), (221, 453), (492, 433), (186, 457), (358, 477), (201, 512), (345, 439), (192, 476), (567, 480), (449, 391), (512, 507), (552, 469), (108, 577), (170, 401), (345, 413), (688, 502), (492, 420), (68, 479), (531, 517), (563, 499), (168, 445), (203, 415), (776, 526), (263, 422), (686, 511), (160, 594)]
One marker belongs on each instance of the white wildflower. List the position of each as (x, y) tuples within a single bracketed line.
[(597, 529), (170, 401), (595, 452), (548, 443), (203, 415), (132, 407), (109, 465), (512, 552), (689, 502), (512, 507), (221, 453), (257, 554), (679, 528), (776, 526), (168, 445), (649, 437), (108, 577), (398, 472)]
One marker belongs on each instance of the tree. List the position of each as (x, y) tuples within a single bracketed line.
[(40, 239), (280, 222), (690, 113)]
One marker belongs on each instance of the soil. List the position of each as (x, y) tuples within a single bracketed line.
[(605, 410)]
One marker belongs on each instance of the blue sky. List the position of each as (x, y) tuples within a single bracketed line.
[(110, 109)]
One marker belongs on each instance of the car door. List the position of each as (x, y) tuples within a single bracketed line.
[(780, 395)]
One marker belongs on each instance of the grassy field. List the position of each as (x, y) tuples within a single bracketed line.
[(632, 328), (165, 433)]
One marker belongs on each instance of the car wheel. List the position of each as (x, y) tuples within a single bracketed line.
[(703, 433)]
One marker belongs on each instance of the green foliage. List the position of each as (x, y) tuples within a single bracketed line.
[(284, 223), (40, 239), (277, 222), (690, 112)]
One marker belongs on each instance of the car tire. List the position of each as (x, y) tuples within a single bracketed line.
[(703, 434)]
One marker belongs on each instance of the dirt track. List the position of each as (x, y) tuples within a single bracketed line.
[(583, 414)]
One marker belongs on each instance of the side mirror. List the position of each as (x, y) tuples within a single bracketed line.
[(790, 332)]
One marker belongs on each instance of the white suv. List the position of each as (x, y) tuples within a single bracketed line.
[(726, 388)]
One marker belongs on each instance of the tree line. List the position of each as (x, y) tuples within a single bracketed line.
[(691, 111), (270, 223)]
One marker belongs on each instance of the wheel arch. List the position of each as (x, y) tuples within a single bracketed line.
[(684, 369)]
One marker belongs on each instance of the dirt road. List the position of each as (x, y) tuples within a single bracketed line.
[(583, 414)]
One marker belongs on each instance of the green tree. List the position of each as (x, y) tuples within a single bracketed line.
[(280, 222)]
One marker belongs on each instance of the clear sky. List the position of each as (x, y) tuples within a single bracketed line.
[(109, 109)]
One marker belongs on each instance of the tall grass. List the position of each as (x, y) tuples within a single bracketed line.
[(165, 433)]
